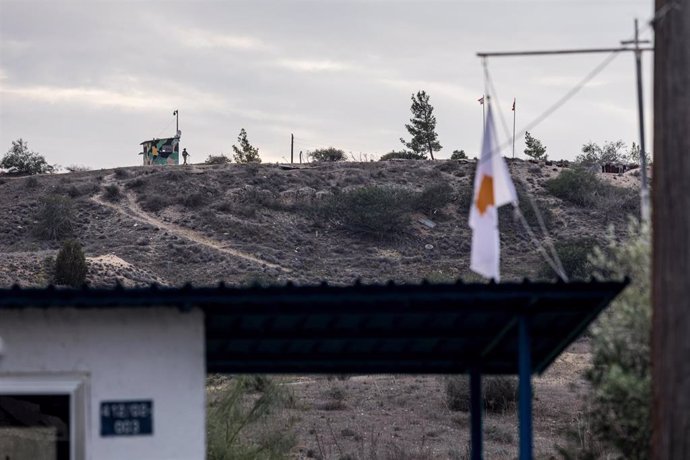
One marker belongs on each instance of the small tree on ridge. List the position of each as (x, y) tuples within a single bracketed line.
[(422, 127), (246, 153), (534, 147)]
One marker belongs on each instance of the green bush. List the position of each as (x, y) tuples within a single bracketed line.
[(434, 197), (55, 219), (70, 264), (458, 155), (242, 426), (328, 154), (499, 393), (403, 155), (217, 160), (375, 212), (578, 185), (619, 404), (574, 255), (582, 187)]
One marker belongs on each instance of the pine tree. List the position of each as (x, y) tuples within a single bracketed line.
[(534, 147), (246, 153), (422, 127)]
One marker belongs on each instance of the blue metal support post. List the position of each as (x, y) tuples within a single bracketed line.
[(476, 413), (525, 363)]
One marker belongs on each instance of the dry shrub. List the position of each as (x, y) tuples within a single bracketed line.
[(434, 197), (499, 393), (70, 264), (379, 213), (112, 193), (55, 219)]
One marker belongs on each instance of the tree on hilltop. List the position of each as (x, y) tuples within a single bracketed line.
[(246, 153), (422, 127), (20, 160), (534, 148)]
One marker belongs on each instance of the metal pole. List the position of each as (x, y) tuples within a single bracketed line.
[(476, 413), (514, 127), (549, 52), (644, 188), (292, 148), (525, 404)]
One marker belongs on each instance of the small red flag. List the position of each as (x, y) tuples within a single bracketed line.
[(513, 104)]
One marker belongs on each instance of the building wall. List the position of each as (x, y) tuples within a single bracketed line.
[(123, 354)]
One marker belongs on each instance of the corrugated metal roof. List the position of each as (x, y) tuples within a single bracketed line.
[(391, 328)]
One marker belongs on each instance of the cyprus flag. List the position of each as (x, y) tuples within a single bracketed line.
[(492, 188)]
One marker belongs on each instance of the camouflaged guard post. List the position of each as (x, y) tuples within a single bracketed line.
[(161, 151)]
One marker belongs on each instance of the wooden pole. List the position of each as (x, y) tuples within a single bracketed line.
[(671, 233), (292, 148)]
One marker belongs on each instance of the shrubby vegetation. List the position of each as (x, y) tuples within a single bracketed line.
[(618, 416), (217, 160), (327, 154), (70, 264), (575, 257), (112, 193), (20, 160), (241, 423), (584, 188), (381, 213), (402, 155), (55, 218), (458, 155), (499, 393), (610, 152)]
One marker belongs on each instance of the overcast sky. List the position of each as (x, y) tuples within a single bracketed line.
[(84, 82)]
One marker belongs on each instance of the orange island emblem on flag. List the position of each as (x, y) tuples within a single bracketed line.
[(485, 196)]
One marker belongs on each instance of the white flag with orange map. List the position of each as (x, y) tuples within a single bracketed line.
[(493, 188)]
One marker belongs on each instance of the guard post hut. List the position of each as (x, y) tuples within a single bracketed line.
[(120, 373), (164, 151)]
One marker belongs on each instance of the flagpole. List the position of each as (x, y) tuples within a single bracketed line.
[(483, 112), (514, 128)]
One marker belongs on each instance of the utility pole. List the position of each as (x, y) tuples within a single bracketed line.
[(292, 148), (644, 187), (671, 233)]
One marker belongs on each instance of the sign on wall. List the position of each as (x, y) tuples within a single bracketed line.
[(126, 418)]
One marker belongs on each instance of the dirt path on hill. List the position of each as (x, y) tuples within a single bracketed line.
[(130, 208)]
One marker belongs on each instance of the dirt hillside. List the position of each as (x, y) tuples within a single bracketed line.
[(270, 223)]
